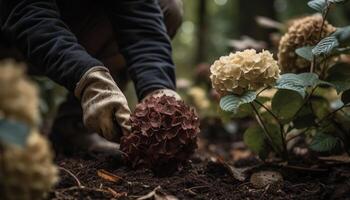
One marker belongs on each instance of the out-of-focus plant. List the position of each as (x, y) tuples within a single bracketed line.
[(312, 104), (26, 160)]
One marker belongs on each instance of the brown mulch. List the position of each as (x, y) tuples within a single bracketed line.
[(199, 179)]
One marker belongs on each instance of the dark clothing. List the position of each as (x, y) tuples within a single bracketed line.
[(40, 32)]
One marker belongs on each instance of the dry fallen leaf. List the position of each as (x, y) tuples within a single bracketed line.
[(108, 176), (237, 173), (117, 194), (156, 194)]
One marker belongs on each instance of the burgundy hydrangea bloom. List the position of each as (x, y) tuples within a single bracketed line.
[(163, 136)]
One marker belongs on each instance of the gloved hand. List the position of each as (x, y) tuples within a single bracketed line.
[(161, 92), (104, 105)]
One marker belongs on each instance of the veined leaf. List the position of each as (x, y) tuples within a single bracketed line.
[(338, 1), (231, 103), (325, 46), (298, 82)]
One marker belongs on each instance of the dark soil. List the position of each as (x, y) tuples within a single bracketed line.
[(199, 179)]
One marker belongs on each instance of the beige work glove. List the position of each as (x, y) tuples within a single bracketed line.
[(104, 105), (161, 92)]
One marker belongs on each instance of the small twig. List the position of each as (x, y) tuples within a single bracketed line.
[(190, 190), (72, 175)]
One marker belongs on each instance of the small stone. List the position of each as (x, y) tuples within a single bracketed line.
[(264, 178)]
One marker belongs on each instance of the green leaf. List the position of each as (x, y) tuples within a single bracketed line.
[(339, 76), (320, 106), (343, 35), (318, 5), (305, 52), (255, 140), (231, 103), (286, 103), (12, 132), (275, 134), (345, 97), (338, 1), (304, 119), (323, 142), (325, 46), (243, 111), (297, 82)]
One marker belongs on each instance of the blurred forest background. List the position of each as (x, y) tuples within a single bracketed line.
[(210, 29)]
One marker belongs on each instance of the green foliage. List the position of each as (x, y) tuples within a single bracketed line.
[(326, 46), (323, 142), (232, 102), (318, 5), (298, 106), (339, 76), (343, 35), (255, 140), (338, 1), (320, 107), (305, 118), (14, 133), (298, 82), (321, 5), (286, 103), (305, 52)]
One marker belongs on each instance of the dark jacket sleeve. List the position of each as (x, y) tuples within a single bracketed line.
[(144, 43), (46, 42)]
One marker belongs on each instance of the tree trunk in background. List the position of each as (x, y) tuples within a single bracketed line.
[(202, 31), (248, 11)]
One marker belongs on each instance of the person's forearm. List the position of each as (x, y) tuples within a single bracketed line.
[(36, 28), (144, 42)]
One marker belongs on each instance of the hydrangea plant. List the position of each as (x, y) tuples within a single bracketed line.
[(163, 136), (312, 100)]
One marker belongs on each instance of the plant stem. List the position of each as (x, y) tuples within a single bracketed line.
[(263, 126), (261, 91), (279, 124), (324, 17), (268, 110), (313, 63), (332, 113), (299, 134), (305, 102)]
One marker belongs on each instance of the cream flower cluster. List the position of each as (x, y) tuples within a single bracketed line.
[(242, 71)]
